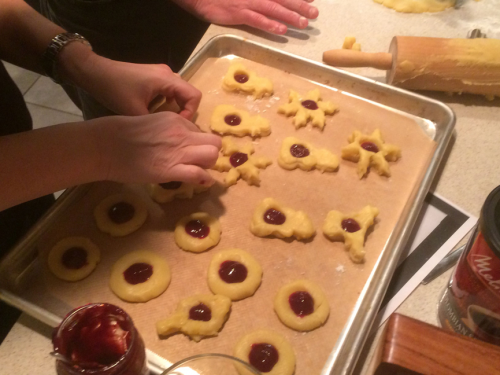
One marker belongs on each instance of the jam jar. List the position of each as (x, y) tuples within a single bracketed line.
[(99, 339), (470, 304)]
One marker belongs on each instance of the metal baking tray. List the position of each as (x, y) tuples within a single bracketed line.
[(436, 119)]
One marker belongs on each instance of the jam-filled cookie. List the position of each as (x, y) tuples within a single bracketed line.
[(197, 232), (296, 153), (310, 107), (238, 161), (228, 120), (272, 218), (239, 78), (168, 191), (370, 151), (139, 276), (267, 351), (73, 258), (197, 316), (234, 273), (301, 305), (350, 228), (120, 214)]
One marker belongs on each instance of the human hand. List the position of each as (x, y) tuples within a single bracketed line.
[(154, 148), (267, 15)]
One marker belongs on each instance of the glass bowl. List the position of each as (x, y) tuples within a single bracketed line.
[(211, 364)]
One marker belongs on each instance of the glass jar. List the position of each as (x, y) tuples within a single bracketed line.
[(470, 304), (99, 339)]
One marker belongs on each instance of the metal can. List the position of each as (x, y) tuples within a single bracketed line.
[(470, 304), (99, 339)]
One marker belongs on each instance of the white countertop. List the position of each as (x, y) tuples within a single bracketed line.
[(468, 173)]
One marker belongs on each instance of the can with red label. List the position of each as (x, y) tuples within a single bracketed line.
[(470, 304)]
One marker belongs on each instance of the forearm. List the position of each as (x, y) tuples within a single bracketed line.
[(46, 160)]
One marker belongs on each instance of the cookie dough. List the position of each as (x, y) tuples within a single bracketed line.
[(238, 161), (351, 229), (227, 119), (239, 78), (350, 43), (197, 316), (417, 6), (267, 351), (166, 192), (307, 108), (296, 153), (272, 218), (234, 273), (197, 232), (301, 305), (73, 258), (370, 151), (120, 214), (139, 276)]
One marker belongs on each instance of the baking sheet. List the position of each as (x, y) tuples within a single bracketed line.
[(318, 260)]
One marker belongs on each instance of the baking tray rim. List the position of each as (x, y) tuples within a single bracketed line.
[(344, 355)]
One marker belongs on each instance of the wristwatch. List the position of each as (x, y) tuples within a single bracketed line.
[(50, 56)]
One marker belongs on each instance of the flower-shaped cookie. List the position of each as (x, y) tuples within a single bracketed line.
[(267, 351), (197, 316), (197, 232), (301, 305), (272, 218), (227, 119), (168, 191), (239, 78), (308, 108), (351, 229), (296, 153), (370, 151), (239, 162)]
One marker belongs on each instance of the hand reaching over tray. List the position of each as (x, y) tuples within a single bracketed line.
[(267, 15)]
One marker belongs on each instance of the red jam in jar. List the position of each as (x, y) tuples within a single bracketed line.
[(470, 304), (99, 339)]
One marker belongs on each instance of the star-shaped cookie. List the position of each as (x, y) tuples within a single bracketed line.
[(370, 151), (239, 162), (310, 107), (350, 228), (239, 78), (227, 119)]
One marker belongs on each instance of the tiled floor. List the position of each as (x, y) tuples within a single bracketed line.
[(47, 101)]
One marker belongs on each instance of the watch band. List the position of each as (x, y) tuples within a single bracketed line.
[(50, 56)]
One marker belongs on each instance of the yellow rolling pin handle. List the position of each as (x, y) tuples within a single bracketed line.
[(345, 58)]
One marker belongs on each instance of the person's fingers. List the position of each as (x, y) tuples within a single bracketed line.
[(203, 156), (191, 174), (259, 21), (275, 10), (301, 7), (187, 96), (201, 138)]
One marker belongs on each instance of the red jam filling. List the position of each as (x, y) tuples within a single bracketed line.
[(197, 229), (299, 151), (121, 212), (350, 225), (138, 273), (233, 272), (232, 120), (241, 78), (238, 158), (301, 303), (263, 357), (369, 146), (94, 337), (200, 312), (274, 217), (310, 104), (74, 258), (172, 185)]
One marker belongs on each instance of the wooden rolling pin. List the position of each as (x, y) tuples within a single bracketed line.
[(436, 64)]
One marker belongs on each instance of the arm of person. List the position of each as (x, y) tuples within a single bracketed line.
[(158, 148), (267, 15), (124, 88)]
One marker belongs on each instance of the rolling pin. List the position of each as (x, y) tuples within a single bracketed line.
[(436, 64)]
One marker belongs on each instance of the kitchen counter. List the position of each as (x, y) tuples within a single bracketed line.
[(469, 171)]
